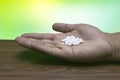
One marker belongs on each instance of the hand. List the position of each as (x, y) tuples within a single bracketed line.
[(96, 45)]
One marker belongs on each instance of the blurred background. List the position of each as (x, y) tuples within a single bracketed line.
[(37, 16)]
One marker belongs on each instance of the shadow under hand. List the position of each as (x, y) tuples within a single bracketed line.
[(45, 59)]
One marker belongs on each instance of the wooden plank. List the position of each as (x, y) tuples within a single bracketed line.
[(18, 63)]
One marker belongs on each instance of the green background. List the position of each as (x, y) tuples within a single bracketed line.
[(37, 16)]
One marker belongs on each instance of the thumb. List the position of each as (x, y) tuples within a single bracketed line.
[(62, 27)]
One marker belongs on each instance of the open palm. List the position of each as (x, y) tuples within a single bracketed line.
[(96, 46)]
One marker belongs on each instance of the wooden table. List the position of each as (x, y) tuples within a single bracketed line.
[(18, 63)]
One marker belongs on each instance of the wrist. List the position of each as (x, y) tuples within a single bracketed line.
[(114, 39)]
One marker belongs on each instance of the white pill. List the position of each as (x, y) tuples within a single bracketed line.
[(71, 40)]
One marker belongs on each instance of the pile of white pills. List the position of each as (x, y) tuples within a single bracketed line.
[(71, 40)]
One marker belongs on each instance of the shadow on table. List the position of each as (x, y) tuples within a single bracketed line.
[(45, 59)]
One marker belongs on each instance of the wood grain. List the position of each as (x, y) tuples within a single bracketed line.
[(18, 63)]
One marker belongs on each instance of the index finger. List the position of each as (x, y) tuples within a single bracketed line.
[(39, 36)]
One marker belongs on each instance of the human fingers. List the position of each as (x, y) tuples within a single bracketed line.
[(26, 42), (48, 47), (29, 41), (39, 36)]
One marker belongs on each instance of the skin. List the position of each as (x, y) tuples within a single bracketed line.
[(97, 45)]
